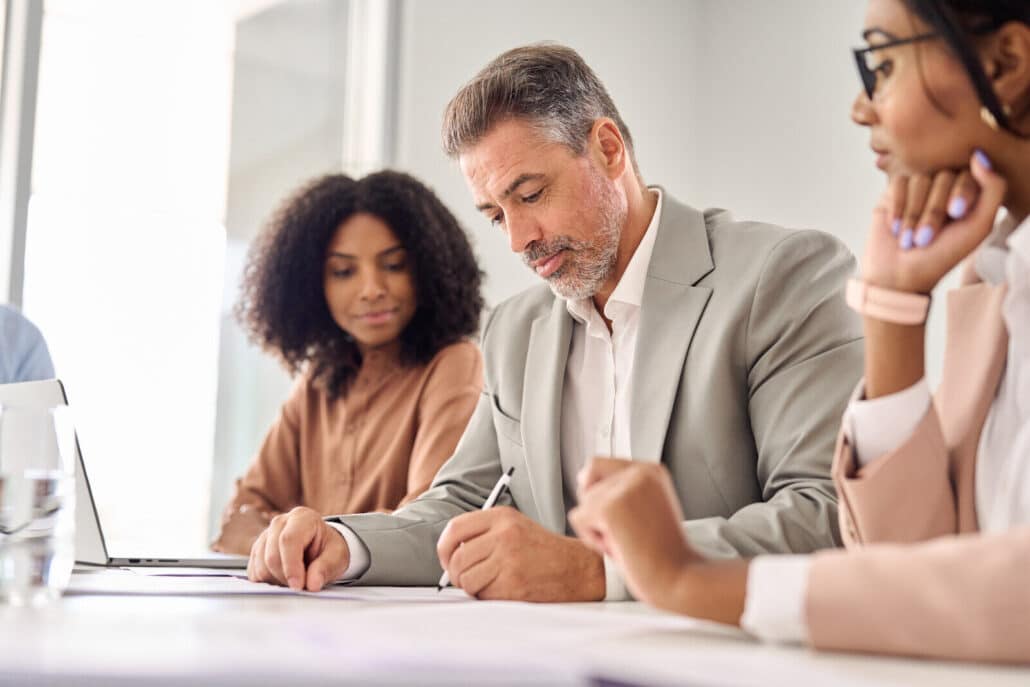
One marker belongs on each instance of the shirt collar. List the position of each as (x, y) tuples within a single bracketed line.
[(630, 289)]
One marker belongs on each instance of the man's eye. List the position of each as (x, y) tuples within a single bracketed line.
[(533, 197), (497, 220)]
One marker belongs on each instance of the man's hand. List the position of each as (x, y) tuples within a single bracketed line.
[(501, 554), (629, 511), (298, 550)]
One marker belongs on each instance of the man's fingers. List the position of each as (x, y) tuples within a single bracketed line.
[(477, 579), (464, 528), (330, 563), (271, 559), (294, 539), (467, 555), (255, 564)]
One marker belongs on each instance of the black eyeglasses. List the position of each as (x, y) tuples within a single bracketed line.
[(867, 73)]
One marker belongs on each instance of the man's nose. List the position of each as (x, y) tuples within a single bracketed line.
[(522, 231)]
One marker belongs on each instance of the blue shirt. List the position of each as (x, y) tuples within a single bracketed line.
[(23, 352)]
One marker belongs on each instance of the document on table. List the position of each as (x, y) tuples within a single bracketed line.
[(124, 582)]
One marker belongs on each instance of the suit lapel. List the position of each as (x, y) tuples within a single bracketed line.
[(549, 340), (669, 314)]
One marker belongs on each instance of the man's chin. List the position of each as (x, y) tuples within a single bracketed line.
[(570, 292)]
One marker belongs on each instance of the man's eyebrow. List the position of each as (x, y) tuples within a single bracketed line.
[(876, 31), (512, 187)]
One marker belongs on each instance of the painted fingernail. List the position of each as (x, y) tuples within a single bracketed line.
[(924, 236), (896, 226), (906, 239), (982, 158), (957, 207)]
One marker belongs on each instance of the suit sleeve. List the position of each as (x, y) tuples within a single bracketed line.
[(962, 597), (402, 545), (804, 355)]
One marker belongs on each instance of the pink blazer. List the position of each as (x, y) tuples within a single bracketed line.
[(961, 597)]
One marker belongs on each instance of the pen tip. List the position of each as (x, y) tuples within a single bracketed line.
[(439, 588)]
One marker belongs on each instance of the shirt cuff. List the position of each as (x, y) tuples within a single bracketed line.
[(360, 560), (881, 425), (614, 585), (774, 607)]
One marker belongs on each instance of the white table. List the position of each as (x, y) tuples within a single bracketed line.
[(322, 640)]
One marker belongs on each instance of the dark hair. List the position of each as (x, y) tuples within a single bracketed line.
[(282, 298), (546, 84), (958, 23)]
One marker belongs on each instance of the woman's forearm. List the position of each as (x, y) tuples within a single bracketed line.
[(894, 356), (709, 590)]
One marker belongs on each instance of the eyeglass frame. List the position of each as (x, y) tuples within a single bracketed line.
[(868, 76)]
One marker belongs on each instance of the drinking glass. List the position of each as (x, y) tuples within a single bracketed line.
[(37, 503)]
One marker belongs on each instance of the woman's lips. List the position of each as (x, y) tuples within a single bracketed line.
[(547, 267), (378, 317)]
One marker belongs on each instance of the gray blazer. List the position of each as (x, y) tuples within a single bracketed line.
[(746, 355)]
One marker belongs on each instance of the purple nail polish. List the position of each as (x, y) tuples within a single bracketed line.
[(982, 158), (957, 207), (924, 236), (906, 239), (896, 227)]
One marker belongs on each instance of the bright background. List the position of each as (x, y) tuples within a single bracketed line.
[(166, 131)]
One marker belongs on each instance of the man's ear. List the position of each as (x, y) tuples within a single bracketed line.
[(606, 142)]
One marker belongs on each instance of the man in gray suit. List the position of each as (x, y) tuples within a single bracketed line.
[(721, 348)]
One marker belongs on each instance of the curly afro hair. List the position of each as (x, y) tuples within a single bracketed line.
[(282, 302)]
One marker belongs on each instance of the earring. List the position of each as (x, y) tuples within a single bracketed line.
[(988, 117)]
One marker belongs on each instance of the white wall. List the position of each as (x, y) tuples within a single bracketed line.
[(740, 104)]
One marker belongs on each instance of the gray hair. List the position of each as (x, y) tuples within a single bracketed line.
[(547, 85)]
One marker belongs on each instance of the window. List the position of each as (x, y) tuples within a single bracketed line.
[(165, 134)]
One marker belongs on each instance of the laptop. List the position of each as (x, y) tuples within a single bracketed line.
[(90, 545)]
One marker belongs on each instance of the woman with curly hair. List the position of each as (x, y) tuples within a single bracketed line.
[(369, 291)]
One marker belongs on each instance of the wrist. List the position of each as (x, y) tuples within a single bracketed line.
[(887, 304)]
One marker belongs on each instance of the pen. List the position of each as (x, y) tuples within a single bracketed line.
[(499, 488)]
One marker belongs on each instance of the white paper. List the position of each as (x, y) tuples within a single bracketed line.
[(232, 583)]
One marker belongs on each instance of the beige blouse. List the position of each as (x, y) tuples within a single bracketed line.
[(373, 449)]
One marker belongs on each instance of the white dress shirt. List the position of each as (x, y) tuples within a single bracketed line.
[(595, 412), (774, 606)]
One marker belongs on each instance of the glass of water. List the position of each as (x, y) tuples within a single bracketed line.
[(37, 503)]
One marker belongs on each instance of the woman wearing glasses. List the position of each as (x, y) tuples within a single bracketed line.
[(934, 492), (369, 291)]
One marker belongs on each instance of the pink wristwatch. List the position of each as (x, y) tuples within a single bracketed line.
[(899, 307)]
